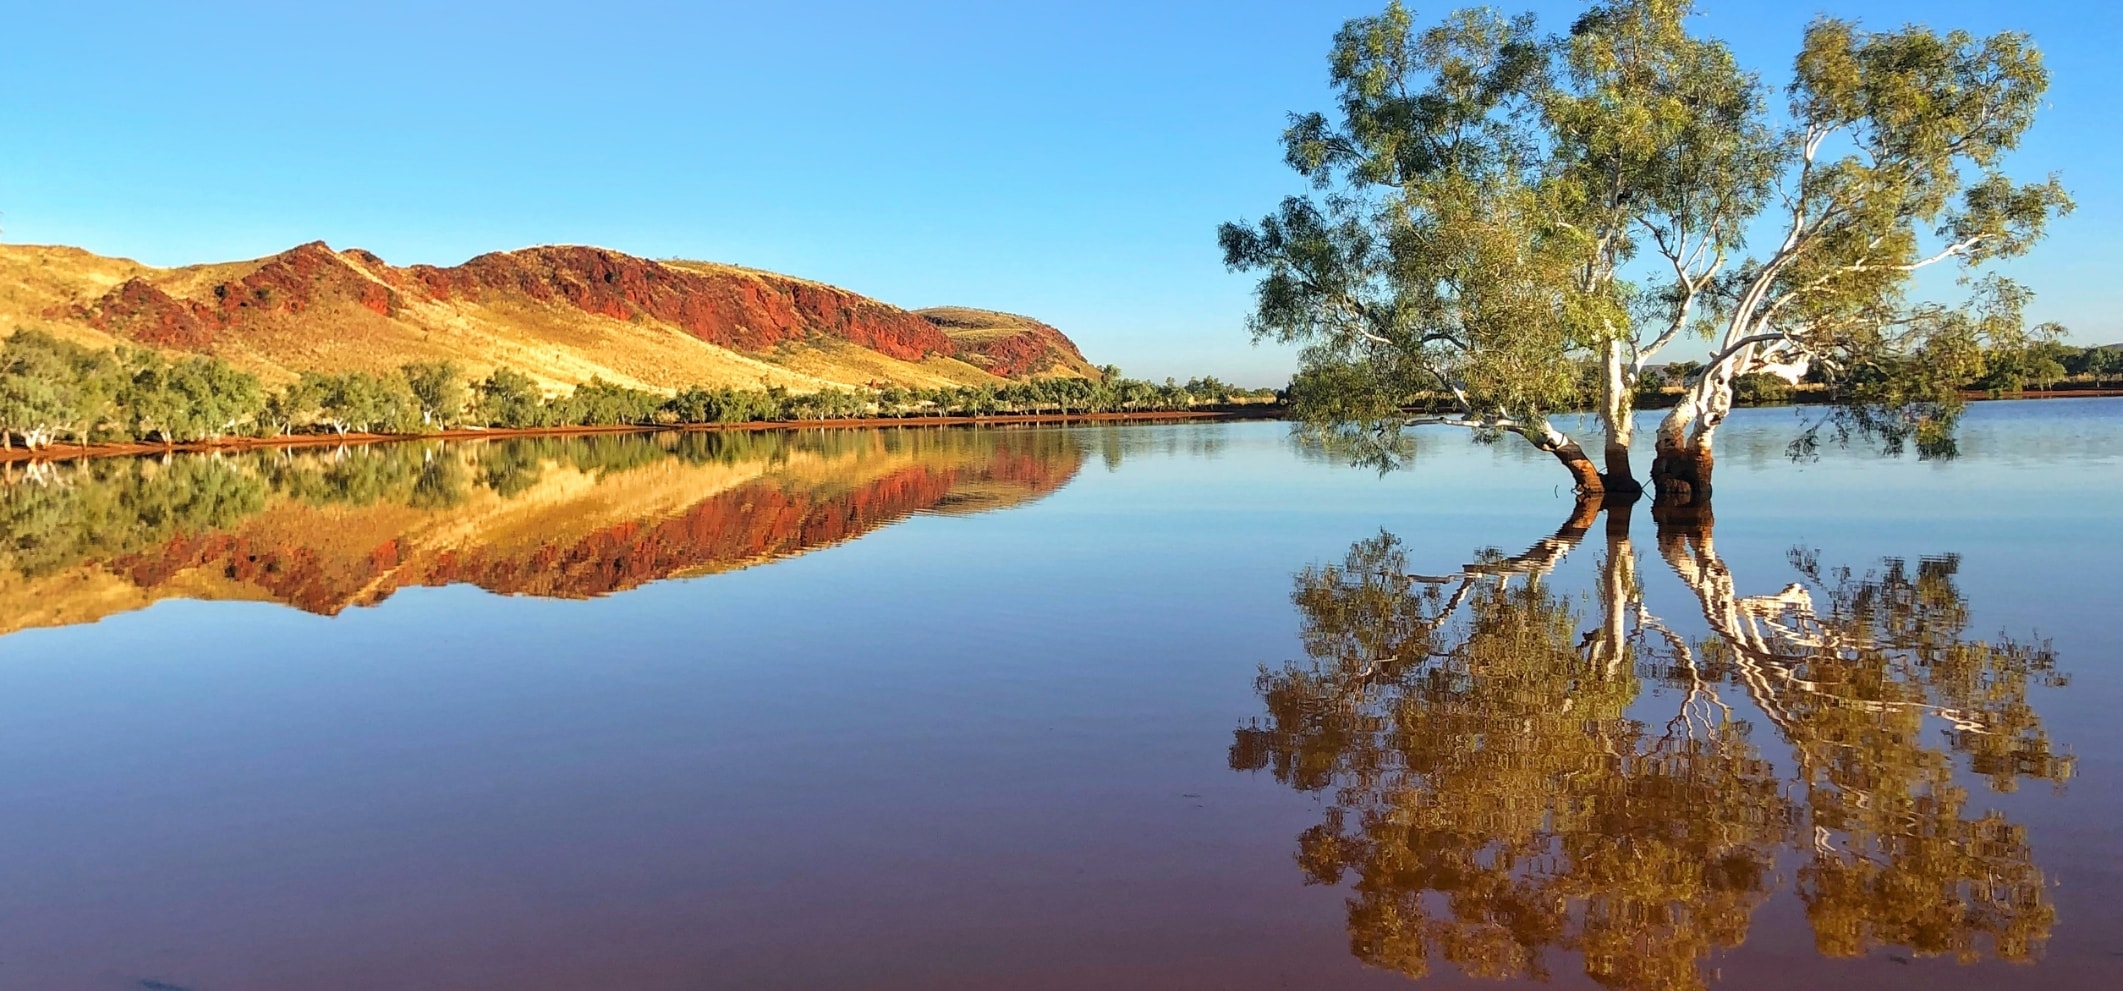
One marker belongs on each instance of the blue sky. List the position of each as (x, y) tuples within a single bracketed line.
[(1066, 160)]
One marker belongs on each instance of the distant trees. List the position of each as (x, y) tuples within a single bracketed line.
[(53, 390), (364, 403), (442, 391), (2101, 365), (598, 403), (507, 398)]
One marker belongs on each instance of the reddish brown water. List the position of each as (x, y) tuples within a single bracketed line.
[(1063, 709)]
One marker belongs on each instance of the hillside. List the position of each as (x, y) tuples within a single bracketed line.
[(1009, 345), (564, 314)]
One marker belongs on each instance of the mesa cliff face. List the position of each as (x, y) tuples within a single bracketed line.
[(733, 309), (563, 313), (1009, 345)]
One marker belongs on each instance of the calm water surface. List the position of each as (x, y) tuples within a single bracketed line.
[(1143, 707)]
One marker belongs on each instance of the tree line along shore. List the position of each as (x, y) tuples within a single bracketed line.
[(55, 394), (59, 399)]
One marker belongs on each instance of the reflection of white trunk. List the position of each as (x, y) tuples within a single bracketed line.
[(1772, 637), (1618, 593)]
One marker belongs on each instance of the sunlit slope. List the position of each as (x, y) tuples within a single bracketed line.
[(514, 518), (564, 314)]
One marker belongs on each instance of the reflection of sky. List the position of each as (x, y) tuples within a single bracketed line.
[(959, 752)]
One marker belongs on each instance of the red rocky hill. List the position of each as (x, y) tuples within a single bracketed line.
[(563, 313)]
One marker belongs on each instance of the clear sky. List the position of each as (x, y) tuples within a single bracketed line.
[(1068, 160)]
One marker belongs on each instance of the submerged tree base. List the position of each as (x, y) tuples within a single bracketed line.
[(1680, 476)]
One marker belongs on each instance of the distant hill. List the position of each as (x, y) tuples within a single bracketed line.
[(564, 314), (1009, 345)]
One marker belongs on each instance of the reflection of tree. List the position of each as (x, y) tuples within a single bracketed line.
[(1849, 684), (105, 509), (1492, 798)]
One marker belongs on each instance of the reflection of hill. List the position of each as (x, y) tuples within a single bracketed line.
[(558, 518)]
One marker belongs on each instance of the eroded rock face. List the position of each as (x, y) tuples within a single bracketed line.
[(739, 309), (1007, 344), (295, 281), (742, 311), (1028, 352), (137, 309)]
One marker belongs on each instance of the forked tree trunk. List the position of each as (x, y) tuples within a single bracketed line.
[(1615, 408), (1680, 473), (1681, 466)]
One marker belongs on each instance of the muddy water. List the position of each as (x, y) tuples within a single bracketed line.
[(1138, 707)]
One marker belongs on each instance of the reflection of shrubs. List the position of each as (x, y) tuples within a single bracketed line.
[(510, 467), (444, 482), (109, 509)]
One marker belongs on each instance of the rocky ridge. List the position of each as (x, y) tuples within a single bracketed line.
[(564, 313)]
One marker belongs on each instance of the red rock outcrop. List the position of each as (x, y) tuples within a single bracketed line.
[(294, 281), (740, 309), (1006, 344), (137, 309)]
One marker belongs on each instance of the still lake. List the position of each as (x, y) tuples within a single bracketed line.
[(1124, 707)]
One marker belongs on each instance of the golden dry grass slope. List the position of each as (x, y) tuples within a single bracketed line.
[(564, 314)]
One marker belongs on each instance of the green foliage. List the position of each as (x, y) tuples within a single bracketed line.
[(2101, 365), (598, 403), (509, 398), (52, 389), (1761, 390), (1894, 165), (442, 391), (192, 399), (361, 402), (1513, 224), (1484, 187)]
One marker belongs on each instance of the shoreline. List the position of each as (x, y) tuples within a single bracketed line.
[(134, 449), (1257, 411)]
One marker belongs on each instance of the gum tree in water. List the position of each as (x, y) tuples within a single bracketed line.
[(1495, 208), (1657, 142), (1427, 263), (1891, 165)]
